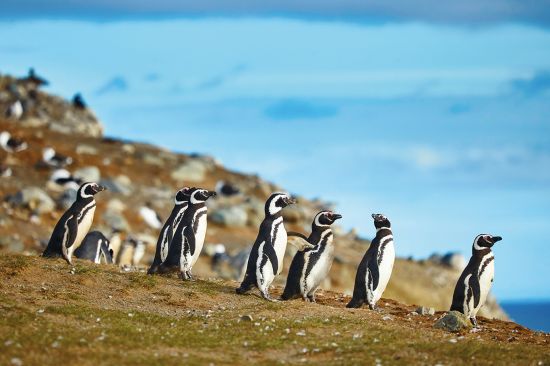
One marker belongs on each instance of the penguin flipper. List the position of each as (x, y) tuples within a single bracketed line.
[(299, 235), (475, 289), (190, 239), (269, 251), (374, 273)]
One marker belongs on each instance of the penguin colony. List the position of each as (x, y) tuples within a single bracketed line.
[(182, 237)]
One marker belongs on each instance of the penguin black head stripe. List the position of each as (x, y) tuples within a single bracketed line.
[(89, 189), (276, 202), (484, 241), (199, 195), (381, 221), (325, 218), (182, 196)]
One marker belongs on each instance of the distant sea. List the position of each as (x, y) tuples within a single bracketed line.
[(530, 314)]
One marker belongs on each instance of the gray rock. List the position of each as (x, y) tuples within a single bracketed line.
[(11, 244), (234, 216), (454, 260), (120, 184), (115, 220), (116, 205), (88, 174), (86, 150), (34, 199), (246, 318), (453, 321), (295, 214), (150, 159), (66, 199), (424, 310), (191, 171)]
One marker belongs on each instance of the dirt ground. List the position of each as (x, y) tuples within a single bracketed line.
[(51, 313)]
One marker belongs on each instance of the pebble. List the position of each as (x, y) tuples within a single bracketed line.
[(246, 318), (453, 340), (301, 333), (16, 361), (387, 317)]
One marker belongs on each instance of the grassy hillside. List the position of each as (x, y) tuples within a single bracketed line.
[(51, 314)]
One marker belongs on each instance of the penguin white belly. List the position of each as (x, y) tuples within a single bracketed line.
[(320, 270), (485, 281), (199, 238), (385, 269), (164, 245), (280, 243), (83, 227)]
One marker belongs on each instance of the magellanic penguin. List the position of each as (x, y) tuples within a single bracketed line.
[(266, 257), (167, 232), (15, 111), (10, 144), (311, 266), (95, 247), (375, 269), (150, 216), (53, 159), (73, 226), (477, 278), (186, 245)]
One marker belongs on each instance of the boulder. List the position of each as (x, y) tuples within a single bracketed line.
[(66, 199), (453, 321), (86, 150), (454, 260), (120, 184), (88, 174), (34, 199), (11, 243), (116, 221), (233, 216), (191, 171)]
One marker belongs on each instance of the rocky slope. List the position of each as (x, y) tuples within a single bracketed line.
[(139, 173)]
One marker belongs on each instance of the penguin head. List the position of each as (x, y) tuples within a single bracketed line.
[(89, 189), (381, 221), (182, 196), (276, 202), (484, 241), (199, 195), (325, 218)]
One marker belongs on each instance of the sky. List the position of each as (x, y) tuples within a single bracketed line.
[(436, 115)]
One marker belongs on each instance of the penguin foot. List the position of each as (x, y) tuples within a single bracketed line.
[(268, 297), (372, 306), (474, 321)]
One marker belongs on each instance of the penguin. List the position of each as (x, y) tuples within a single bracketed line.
[(150, 216), (64, 179), (375, 269), (139, 250), (311, 266), (11, 144), (167, 232), (15, 110), (476, 280), (73, 226), (53, 159), (95, 247), (266, 257), (78, 101), (189, 235), (115, 242)]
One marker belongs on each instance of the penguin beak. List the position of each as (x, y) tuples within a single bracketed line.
[(336, 217), (101, 188), (374, 216), (496, 238), (212, 194)]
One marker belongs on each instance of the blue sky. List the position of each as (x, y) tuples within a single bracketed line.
[(439, 121)]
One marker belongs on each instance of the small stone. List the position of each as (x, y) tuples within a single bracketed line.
[(453, 340), (16, 361), (40, 311), (246, 318), (424, 310), (387, 317), (301, 333)]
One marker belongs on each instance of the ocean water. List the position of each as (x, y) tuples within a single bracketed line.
[(533, 315)]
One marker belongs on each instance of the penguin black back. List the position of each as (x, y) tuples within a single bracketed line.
[(95, 247)]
